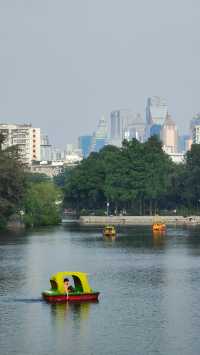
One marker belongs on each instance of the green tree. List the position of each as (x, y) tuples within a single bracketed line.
[(84, 188), (134, 174), (157, 168), (191, 186), (37, 177), (135, 177), (111, 159), (61, 179), (42, 204), (12, 182)]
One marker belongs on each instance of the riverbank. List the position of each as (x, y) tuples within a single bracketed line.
[(138, 220)]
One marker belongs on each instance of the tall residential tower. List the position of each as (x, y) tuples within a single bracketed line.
[(195, 129), (25, 137)]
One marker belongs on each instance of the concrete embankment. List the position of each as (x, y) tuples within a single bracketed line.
[(139, 220)]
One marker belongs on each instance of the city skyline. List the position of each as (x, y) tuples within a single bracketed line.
[(107, 118), (35, 147), (64, 64), (126, 114), (93, 128)]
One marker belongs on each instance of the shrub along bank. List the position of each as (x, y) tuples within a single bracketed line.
[(34, 198), (42, 204)]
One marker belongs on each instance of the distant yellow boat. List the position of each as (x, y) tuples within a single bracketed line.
[(109, 231), (158, 224), (159, 227)]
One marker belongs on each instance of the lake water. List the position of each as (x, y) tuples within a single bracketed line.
[(150, 292)]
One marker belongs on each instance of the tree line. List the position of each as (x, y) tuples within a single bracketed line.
[(32, 198), (138, 178)]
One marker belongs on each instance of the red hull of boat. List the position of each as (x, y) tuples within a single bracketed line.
[(87, 297)]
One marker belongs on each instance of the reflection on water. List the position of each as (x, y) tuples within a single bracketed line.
[(159, 238), (62, 312), (149, 284), (70, 321), (109, 239)]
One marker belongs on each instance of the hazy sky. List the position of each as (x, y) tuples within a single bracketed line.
[(64, 63)]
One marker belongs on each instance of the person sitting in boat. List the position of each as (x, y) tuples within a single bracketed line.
[(67, 287)]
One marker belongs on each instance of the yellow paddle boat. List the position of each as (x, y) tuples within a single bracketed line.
[(159, 227), (158, 224), (81, 291), (109, 231)]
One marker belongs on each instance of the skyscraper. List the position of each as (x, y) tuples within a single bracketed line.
[(99, 138), (155, 130), (115, 125), (134, 127), (185, 142), (156, 110), (169, 135), (84, 143), (120, 126), (156, 113), (195, 129)]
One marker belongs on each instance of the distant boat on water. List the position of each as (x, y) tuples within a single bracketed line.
[(109, 231)]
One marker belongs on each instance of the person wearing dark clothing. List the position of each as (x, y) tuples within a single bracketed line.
[(67, 287)]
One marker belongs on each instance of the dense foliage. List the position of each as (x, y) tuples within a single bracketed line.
[(42, 204), (132, 178), (138, 178), (12, 182), (31, 198)]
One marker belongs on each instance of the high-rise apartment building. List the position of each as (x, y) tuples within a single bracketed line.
[(196, 134), (195, 129), (25, 137), (169, 135)]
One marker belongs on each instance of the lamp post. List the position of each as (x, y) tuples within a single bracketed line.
[(107, 204)]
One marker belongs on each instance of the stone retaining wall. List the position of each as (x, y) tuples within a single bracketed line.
[(138, 220)]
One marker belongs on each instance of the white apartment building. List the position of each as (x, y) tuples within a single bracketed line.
[(196, 134), (25, 137), (195, 129)]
